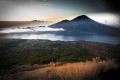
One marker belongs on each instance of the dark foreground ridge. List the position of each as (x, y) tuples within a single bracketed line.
[(111, 75)]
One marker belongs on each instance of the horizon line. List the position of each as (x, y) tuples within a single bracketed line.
[(25, 21)]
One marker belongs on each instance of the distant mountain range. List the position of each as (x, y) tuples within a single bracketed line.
[(85, 25)]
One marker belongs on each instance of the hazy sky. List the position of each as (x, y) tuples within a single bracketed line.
[(55, 10)]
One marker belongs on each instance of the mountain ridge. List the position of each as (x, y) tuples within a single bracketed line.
[(84, 24)]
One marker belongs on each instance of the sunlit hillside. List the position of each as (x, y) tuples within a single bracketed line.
[(88, 70)]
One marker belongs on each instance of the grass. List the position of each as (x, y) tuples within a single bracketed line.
[(88, 70)]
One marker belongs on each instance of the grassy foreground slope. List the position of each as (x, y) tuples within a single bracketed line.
[(88, 70), (20, 59)]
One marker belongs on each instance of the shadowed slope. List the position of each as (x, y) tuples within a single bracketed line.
[(83, 24)]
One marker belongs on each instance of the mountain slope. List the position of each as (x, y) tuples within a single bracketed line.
[(83, 24)]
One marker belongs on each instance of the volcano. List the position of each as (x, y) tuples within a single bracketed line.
[(85, 25)]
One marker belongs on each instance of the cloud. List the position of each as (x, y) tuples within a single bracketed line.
[(39, 9), (35, 29)]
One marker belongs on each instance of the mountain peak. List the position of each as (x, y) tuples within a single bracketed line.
[(65, 20), (82, 17)]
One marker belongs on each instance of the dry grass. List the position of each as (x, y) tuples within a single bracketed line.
[(88, 70)]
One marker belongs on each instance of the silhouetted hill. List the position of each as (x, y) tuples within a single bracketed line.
[(62, 24), (84, 24), (82, 17)]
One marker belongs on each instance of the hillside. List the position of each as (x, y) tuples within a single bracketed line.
[(89, 70), (18, 56), (14, 51)]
